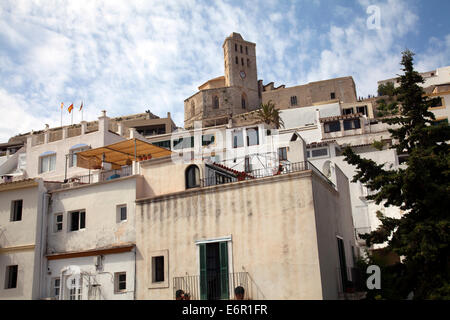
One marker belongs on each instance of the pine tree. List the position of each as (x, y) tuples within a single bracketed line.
[(422, 190)]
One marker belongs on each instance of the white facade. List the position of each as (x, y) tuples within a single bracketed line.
[(102, 232), (51, 160)]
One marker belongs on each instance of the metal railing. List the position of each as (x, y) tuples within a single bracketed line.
[(262, 173), (212, 289), (102, 176)]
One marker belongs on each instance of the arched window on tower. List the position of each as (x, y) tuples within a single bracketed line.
[(244, 101), (192, 108), (237, 60), (242, 60), (192, 175), (241, 49), (216, 102)]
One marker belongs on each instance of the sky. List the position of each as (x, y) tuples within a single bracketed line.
[(128, 56)]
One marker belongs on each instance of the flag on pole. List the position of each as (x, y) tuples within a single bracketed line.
[(81, 107), (62, 105), (70, 108)]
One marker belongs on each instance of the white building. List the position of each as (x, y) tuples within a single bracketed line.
[(91, 239)]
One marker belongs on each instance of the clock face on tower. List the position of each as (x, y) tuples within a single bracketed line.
[(242, 74)]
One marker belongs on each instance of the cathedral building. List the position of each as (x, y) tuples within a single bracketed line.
[(239, 91)]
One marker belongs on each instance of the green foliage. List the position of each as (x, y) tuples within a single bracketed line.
[(422, 190), (387, 89), (269, 114), (378, 144)]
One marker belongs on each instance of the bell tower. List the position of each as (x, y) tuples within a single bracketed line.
[(240, 63)]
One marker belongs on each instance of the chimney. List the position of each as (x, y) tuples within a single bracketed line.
[(103, 122)]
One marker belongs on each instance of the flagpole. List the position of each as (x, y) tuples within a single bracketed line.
[(72, 117)]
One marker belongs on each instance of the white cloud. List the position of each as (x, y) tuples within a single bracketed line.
[(130, 56)]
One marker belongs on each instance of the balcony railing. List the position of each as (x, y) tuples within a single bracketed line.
[(216, 287), (262, 173), (102, 176)]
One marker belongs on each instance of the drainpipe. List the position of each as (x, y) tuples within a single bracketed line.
[(45, 204), (134, 291)]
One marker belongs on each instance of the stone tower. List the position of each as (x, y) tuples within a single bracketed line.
[(223, 97), (240, 63)]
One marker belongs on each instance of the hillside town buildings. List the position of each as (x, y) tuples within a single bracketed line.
[(133, 207)]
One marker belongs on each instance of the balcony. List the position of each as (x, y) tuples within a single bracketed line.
[(225, 175), (104, 175), (214, 286)]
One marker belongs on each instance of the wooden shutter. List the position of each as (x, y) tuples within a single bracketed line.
[(203, 274), (223, 253)]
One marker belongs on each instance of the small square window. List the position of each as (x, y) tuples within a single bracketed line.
[(158, 269), (16, 210), (121, 213), (282, 154), (56, 287), (11, 277), (58, 226), (77, 220), (120, 282), (332, 95)]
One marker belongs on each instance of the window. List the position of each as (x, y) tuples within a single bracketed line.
[(347, 111), (242, 61), (58, 225), (246, 50), (158, 269), (77, 220), (73, 154), (216, 102), (244, 101), (183, 143), (352, 124), (332, 95), (308, 154), (11, 277), (248, 62), (208, 139), (121, 212), (192, 177), (238, 140), (120, 282), (162, 144), (47, 163), (282, 154), (439, 103), (75, 290), (342, 263), (248, 167), (362, 109), (319, 152), (293, 100), (235, 47), (332, 126), (56, 287), (16, 210), (252, 137), (237, 60)]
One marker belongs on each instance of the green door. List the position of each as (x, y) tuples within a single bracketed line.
[(214, 271)]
